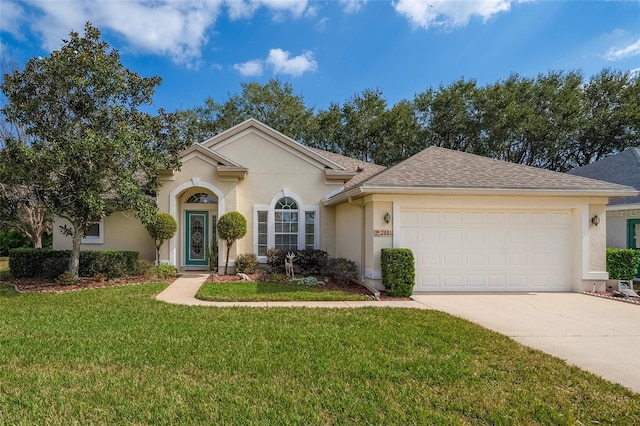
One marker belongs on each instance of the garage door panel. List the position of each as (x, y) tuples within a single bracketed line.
[(488, 250)]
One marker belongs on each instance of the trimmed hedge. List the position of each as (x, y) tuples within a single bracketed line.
[(398, 271), (307, 262), (26, 263), (622, 264)]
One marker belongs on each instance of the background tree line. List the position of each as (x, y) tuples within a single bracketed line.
[(557, 121)]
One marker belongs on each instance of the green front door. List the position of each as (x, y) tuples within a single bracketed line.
[(197, 238)]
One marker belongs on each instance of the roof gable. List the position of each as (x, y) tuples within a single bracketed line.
[(622, 168), (273, 136)]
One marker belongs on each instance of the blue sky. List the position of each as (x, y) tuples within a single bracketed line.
[(331, 50)]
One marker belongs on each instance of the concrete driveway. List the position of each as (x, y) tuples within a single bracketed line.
[(598, 335)]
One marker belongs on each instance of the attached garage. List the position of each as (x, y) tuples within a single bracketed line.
[(458, 250), (476, 224)]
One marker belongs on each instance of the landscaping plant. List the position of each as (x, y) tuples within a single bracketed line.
[(161, 228), (231, 227)]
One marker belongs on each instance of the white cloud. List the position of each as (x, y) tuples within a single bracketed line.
[(321, 25), (444, 13), (617, 53), (13, 16), (174, 29), (242, 9), (177, 29), (250, 69), (282, 64), (352, 6)]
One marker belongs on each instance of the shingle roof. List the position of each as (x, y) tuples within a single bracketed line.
[(622, 168), (363, 169), (444, 168)]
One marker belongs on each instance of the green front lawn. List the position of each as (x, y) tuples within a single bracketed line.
[(239, 291), (117, 356)]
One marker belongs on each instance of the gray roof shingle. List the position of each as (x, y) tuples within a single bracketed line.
[(622, 168), (437, 167), (363, 169)]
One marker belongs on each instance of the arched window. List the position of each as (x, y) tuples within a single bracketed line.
[(286, 224), (201, 198)]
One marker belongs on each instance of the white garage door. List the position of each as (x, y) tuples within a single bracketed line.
[(489, 250)]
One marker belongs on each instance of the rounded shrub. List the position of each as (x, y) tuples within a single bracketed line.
[(398, 271), (247, 263)]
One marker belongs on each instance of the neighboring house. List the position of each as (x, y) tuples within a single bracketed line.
[(473, 223), (623, 214)]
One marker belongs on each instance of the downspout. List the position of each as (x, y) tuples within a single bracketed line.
[(363, 281)]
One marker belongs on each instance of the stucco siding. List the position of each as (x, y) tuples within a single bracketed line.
[(122, 231)]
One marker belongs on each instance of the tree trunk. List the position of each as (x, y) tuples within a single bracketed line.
[(226, 265), (37, 241), (157, 255), (74, 260)]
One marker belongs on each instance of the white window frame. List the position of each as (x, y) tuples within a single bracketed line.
[(271, 234), (99, 239)]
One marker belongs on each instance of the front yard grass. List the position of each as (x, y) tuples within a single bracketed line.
[(238, 291), (117, 356)]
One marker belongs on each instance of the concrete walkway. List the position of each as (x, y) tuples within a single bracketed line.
[(183, 291), (598, 335)]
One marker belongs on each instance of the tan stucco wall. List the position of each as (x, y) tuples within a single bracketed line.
[(274, 170), (589, 241), (122, 231), (348, 229), (597, 238)]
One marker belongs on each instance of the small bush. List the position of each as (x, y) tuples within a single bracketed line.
[(165, 271), (307, 262), (247, 263), (66, 278), (398, 271), (622, 264), (341, 269), (146, 268)]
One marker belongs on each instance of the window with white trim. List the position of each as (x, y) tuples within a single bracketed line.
[(262, 233), (286, 224), (94, 234)]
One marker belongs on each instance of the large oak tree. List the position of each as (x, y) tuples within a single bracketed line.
[(94, 149)]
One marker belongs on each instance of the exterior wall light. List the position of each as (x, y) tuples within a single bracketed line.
[(387, 217), (595, 220)]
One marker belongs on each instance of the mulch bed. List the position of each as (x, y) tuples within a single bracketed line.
[(44, 285), (609, 295)]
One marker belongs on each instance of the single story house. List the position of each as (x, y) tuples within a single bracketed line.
[(473, 223), (623, 214)]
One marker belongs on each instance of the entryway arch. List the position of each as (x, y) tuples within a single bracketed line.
[(196, 205)]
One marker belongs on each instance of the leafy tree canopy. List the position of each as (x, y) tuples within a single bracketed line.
[(94, 150), (556, 120)]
